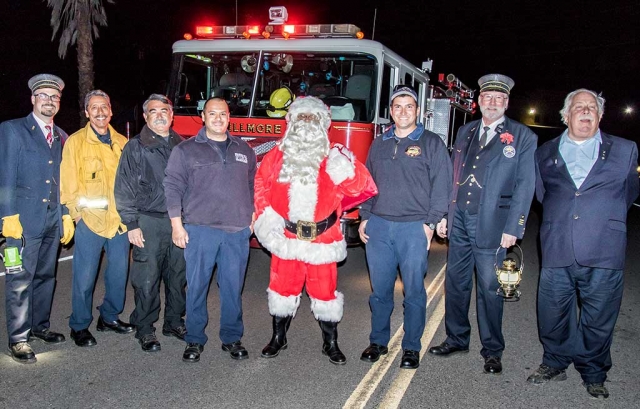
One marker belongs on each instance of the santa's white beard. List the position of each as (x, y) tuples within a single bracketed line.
[(304, 147)]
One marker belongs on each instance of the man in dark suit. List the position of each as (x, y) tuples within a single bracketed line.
[(586, 181), (494, 180), (30, 208)]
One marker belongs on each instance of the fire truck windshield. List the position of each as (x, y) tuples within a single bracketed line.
[(260, 83)]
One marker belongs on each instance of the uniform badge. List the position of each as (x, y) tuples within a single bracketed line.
[(509, 151), (413, 151), (241, 158)]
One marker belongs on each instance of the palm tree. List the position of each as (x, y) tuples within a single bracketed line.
[(77, 21)]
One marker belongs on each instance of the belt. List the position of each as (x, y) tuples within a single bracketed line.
[(308, 231)]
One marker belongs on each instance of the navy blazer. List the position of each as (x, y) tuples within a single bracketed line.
[(586, 225), (29, 169), (509, 182)]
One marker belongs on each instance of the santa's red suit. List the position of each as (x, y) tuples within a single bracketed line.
[(299, 186), (297, 262)]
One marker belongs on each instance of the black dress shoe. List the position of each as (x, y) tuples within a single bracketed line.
[(178, 332), (83, 338), (493, 365), (236, 350), (149, 343), (372, 353), (21, 352), (410, 359), (446, 349), (48, 336), (116, 326), (192, 352)]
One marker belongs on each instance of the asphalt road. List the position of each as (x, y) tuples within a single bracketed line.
[(118, 374)]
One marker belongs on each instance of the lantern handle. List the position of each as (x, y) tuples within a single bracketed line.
[(4, 239), (521, 256)]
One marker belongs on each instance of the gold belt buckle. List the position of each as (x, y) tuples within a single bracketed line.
[(306, 230)]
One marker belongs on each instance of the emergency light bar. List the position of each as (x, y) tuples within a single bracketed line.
[(281, 31)]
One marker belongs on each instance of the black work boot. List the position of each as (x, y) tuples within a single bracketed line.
[(330, 345), (279, 338)]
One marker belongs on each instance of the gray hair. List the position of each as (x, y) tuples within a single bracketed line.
[(95, 93), (564, 112), (157, 97)]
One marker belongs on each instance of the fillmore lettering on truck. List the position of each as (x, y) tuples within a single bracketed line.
[(240, 127)]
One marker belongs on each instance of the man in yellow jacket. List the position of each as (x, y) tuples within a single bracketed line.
[(88, 171)]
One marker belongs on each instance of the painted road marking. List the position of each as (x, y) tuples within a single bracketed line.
[(2, 273), (361, 395)]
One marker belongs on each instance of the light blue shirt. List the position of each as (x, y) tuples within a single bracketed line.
[(579, 157)]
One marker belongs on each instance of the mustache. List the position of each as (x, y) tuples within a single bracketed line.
[(588, 117), (160, 121)]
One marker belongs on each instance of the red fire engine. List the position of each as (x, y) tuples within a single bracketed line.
[(259, 69)]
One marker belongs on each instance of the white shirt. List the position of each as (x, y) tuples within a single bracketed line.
[(492, 129), (42, 126)]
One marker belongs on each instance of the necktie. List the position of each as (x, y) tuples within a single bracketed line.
[(484, 136), (49, 135)]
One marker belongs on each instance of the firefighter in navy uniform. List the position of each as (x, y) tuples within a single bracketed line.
[(30, 207)]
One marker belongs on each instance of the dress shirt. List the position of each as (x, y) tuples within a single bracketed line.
[(42, 126), (579, 157), (492, 129)]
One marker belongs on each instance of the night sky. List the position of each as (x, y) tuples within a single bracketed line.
[(548, 47)]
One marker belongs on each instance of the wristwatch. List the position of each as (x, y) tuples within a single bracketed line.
[(431, 226)]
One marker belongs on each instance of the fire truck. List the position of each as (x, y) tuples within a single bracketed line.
[(354, 77)]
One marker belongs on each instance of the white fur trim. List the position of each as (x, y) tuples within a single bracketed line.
[(303, 199), (269, 229), (328, 310), (339, 166), (281, 306)]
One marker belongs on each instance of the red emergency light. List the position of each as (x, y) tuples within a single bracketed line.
[(204, 30), (284, 31)]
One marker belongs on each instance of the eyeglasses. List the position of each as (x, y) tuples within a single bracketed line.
[(46, 97), (308, 117), (499, 99)]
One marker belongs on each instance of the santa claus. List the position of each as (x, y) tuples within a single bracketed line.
[(298, 192)]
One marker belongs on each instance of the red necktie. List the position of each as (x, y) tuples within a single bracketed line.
[(49, 135)]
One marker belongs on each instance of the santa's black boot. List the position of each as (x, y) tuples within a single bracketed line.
[(330, 344), (279, 338)]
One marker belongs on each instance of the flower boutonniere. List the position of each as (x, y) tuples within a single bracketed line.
[(506, 138)]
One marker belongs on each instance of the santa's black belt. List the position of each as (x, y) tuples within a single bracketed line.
[(310, 230)]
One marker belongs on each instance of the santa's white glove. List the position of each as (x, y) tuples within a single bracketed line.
[(340, 166)]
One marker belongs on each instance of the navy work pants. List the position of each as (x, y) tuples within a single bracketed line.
[(86, 259), (392, 245), (207, 248)]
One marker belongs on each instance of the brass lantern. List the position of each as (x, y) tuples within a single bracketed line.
[(509, 276)]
